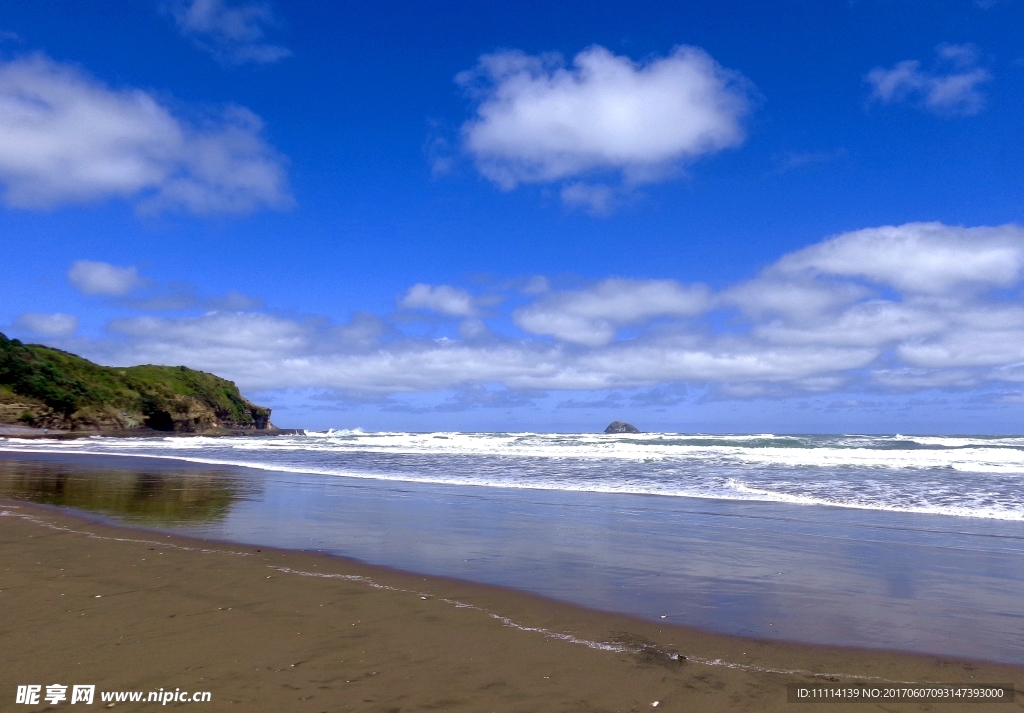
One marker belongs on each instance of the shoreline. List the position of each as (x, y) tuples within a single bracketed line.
[(443, 642), (32, 433)]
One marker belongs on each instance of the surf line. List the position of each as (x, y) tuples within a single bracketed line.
[(569, 638)]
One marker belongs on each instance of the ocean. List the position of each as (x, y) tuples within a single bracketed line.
[(971, 477), (897, 542)]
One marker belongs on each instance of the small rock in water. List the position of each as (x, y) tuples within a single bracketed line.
[(621, 427)]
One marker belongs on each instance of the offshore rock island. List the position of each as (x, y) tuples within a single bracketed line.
[(48, 390), (621, 427)]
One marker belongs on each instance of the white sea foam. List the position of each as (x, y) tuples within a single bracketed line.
[(965, 477)]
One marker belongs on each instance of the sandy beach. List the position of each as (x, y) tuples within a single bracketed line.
[(273, 630)]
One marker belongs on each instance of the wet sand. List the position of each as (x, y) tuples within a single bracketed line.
[(269, 630), (827, 576)]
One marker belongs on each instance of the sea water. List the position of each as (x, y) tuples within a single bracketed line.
[(974, 477), (899, 542)]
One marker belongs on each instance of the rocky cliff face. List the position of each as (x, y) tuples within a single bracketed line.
[(47, 388)]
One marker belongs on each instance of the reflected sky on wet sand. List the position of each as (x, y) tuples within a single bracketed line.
[(140, 494), (928, 583)]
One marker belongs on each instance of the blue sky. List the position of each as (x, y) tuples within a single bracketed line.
[(720, 216)]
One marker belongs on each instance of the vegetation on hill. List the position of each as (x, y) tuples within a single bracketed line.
[(49, 388)]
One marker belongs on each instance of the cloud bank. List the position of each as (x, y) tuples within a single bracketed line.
[(591, 316), (66, 138), (886, 309), (539, 121)]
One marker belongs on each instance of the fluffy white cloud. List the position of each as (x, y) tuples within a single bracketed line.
[(364, 330), (926, 295), (718, 361), (234, 33), (916, 257), (952, 87), (258, 335), (102, 278), (67, 138), (908, 307), (966, 347), (54, 325), (794, 298), (440, 298), (264, 352), (539, 121), (875, 323), (592, 316)]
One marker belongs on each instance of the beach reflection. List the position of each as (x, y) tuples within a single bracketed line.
[(139, 495)]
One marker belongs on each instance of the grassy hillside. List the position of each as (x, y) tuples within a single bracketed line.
[(49, 388)]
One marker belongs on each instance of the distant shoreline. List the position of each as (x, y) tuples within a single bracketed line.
[(8, 431)]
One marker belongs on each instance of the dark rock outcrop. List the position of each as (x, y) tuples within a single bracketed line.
[(621, 427)]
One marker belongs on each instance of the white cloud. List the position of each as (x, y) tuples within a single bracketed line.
[(966, 347), (56, 325), (252, 332), (794, 298), (67, 138), (234, 33), (951, 87), (917, 257), (441, 298), (237, 344), (539, 121), (364, 330), (233, 301), (179, 296), (895, 308), (926, 294), (102, 278), (724, 361), (908, 379), (473, 329), (263, 352), (592, 316), (597, 199), (871, 324)]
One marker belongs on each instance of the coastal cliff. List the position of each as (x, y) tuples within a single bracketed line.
[(47, 388)]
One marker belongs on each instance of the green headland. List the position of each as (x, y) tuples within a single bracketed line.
[(45, 388)]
